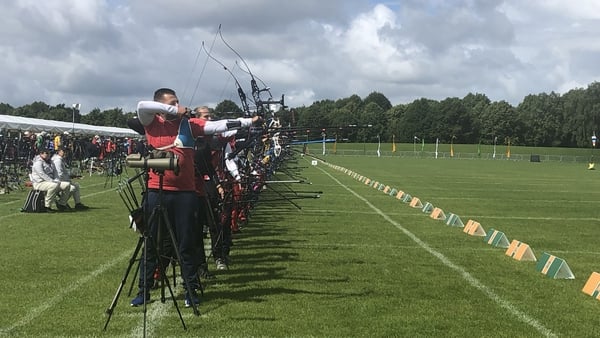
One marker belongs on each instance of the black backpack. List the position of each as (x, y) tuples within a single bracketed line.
[(34, 201)]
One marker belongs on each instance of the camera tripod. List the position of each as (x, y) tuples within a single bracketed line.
[(159, 219)]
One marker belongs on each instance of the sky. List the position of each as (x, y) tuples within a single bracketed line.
[(113, 53)]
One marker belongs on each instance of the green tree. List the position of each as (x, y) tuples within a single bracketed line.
[(500, 120), (6, 109), (372, 116), (94, 117), (394, 117), (111, 118), (542, 119), (475, 104), (114, 118), (454, 121), (379, 99), (347, 112), (34, 110), (417, 120), (575, 129), (354, 102), (60, 113), (311, 117), (227, 106)]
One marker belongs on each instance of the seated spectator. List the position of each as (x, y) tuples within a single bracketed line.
[(43, 178), (64, 177)]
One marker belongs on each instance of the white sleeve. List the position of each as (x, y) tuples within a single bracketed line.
[(56, 178), (39, 174), (232, 168), (230, 163), (246, 121), (216, 127), (147, 109), (58, 165), (229, 133)]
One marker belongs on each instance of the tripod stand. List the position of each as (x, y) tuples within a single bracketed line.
[(151, 240), (115, 167)]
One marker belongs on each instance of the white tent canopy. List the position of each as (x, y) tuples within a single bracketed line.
[(10, 122)]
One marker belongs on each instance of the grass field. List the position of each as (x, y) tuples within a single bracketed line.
[(355, 262)]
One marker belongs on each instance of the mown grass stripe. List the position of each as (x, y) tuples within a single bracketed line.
[(409, 212), (52, 301), (520, 315), (85, 196), (19, 201)]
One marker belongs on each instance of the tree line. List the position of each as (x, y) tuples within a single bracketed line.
[(548, 120), (112, 117)]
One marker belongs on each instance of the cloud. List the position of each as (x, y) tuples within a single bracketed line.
[(112, 53)]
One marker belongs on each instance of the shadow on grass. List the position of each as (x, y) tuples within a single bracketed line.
[(261, 256), (259, 295)]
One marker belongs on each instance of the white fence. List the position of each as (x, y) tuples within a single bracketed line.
[(471, 156)]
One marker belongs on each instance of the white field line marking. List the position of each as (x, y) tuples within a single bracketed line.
[(154, 316), (460, 270), (20, 213), (37, 311), (157, 311)]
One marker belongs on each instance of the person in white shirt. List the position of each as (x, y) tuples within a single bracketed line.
[(44, 178), (65, 178)]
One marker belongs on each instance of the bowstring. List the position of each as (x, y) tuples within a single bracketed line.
[(203, 68)]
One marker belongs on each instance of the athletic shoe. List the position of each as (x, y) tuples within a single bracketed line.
[(61, 207), (221, 264), (48, 209), (193, 299), (81, 206), (139, 299)]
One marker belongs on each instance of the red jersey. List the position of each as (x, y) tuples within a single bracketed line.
[(162, 133)]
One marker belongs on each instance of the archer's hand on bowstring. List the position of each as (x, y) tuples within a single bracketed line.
[(183, 111), (256, 120), (221, 191)]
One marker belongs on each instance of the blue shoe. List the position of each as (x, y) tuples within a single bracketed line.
[(191, 300), (139, 299)]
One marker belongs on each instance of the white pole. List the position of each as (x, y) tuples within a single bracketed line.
[(76, 107), (415, 144)]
